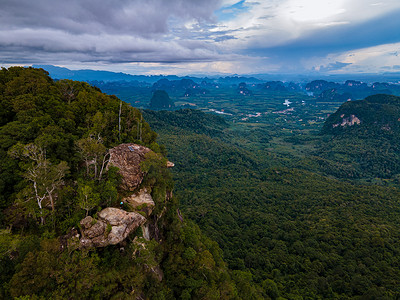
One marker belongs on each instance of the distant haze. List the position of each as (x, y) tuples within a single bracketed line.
[(204, 37)]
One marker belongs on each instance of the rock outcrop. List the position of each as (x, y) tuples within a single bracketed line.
[(141, 200), (127, 157), (349, 121), (112, 227)]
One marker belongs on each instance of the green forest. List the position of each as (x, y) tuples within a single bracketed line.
[(249, 211), (54, 137), (298, 222)]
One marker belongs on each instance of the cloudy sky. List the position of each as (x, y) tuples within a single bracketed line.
[(203, 36)]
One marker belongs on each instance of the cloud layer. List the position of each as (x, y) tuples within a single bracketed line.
[(203, 35), (300, 35), (108, 31)]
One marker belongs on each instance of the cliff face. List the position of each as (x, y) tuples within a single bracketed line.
[(141, 200), (114, 225), (347, 121), (375, 114), (127, 157)]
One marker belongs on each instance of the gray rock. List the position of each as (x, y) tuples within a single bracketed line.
[(141, 199), (113, 226), (127, 157)]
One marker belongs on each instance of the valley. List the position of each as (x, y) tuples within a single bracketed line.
[(274, 194), (285, 202)]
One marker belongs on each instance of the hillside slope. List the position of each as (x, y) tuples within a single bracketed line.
[(67, 210)]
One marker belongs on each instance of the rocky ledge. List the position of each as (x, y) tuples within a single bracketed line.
[(112, 227), (349, 121), (141, 200)]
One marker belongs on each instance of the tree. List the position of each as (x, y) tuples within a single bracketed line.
[(87, 198), (45, 177), (93, 153)]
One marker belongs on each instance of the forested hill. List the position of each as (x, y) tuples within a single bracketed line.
[(285, 228), (67, 206), (377, 114), (365, 139), (187, 120)]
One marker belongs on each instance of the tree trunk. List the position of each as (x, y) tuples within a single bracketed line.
[(119, 121), (87, 167), (95, 168), (50, 193), (102, 166)]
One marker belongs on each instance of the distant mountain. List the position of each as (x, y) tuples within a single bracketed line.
[(331, 95), (304, 78), (277, 86), (182, 84), (231, 80), (320, 86), (243, 90), (106, 76), (161, 100), (351, 89), (183, 87), (93, 75)]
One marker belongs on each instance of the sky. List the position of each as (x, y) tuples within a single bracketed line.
[(203, 36)]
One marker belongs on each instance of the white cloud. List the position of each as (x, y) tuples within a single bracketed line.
[(379, 58), (375, 59), (276, 22)]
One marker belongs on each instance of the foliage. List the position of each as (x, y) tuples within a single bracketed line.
[(194, 267), (186, 119), (295, 233), (54, 141), (87, 198), (271, 194)]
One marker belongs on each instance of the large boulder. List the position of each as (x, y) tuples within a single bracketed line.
[(127, 157), (112, 227)]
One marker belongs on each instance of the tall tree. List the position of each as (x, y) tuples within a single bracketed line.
[(45, 178), (92, 152)]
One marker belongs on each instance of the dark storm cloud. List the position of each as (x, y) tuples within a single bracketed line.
[(94, 16), (116, 30)]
